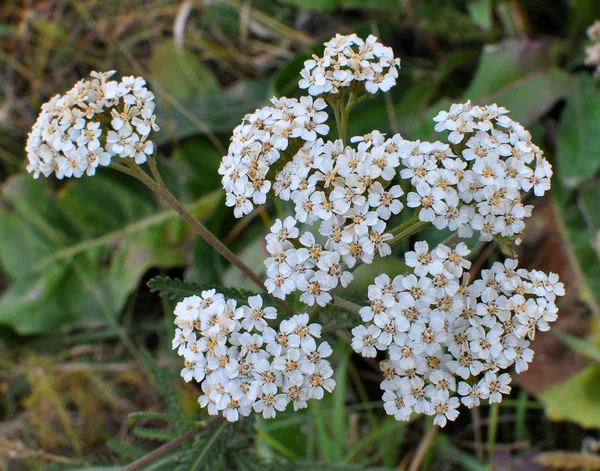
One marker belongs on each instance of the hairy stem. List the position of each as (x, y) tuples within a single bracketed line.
[(414, 219), (154, 170), (345, 304), (333, 102), (159, 188), (343, 124), (407, 228), (409, 231)]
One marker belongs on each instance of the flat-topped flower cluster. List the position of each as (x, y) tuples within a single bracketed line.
[(90, 124), (478, 184), (243, 364), (347, 61), (447, 339)]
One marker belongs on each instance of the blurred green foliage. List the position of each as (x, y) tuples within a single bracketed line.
[(75, 256)]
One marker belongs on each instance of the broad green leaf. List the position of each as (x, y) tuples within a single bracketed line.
[(581, 223), (414, 116), (452, 61), (575, 400), (584, 348), (590, 195), (424, 127), (520, 76), (582, 13), (503, 63), (529, 98), (413, 104), (219, 111), (22, 244), (480, 12), (202, 161), (578, 139), (180, 72), (590, 210), (286, 81), (46, 303), (198, 208), (73, 257)]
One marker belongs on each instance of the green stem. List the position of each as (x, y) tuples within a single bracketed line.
[(333, 102), (154, 170), (343, 124), (407, 229), (342, 111), (353, 100), (414, 219), (159, 188), (345, 304), (492, 430), (120, 167)]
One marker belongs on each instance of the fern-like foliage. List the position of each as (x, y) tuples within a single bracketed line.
[(154, 434), (163, 382), (225, 446), (175, 289)]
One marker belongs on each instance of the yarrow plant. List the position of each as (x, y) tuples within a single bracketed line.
[(244, 364), (446, 340), (90, 124)]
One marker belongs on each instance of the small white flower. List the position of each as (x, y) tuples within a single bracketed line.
[(445, 409), (395, 405), (492, 387), (255, 316), (365, 339)]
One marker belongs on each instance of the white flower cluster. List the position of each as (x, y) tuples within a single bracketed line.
[(445, 336), (88, 125), (480, 189), (592, 52), (257, 144), (345, 191), (347, 61), (242, 363)]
